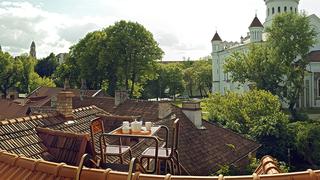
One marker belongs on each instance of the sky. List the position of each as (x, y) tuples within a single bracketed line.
[(183, 28)]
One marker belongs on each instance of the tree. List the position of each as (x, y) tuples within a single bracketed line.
[(87, 56), (36, 81), (278, 65), (27, 64), (306, 143), (255, 114), (45, 67), (291, 37), (9, 72), (171, 79), (133, 51), (257, 66), (203, 76)]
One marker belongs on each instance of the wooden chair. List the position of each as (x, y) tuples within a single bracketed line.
[(166, 154), (96, 129)]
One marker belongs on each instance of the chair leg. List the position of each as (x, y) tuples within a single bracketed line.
[(178, 163), (172, 167), (130, 154), (121, 159)]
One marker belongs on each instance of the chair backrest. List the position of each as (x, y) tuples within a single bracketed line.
[(96, 127), (175, 136)]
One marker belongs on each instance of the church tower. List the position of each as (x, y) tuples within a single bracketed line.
[(33, 50), (275, 7), (217, 46), (256, 30)]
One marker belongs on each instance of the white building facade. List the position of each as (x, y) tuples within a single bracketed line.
[(222, 49)]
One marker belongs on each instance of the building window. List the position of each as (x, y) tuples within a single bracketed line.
[(285, 9), (279, 9), (268, 12), (273, 10), (318, 83), (295, 10), (291, 9)]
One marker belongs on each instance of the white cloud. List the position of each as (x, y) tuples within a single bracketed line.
[(183, 28), (23, 22)]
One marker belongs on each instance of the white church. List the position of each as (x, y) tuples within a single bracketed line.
[(222, 49)]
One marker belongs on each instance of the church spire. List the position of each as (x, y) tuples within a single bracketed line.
[(33, 50)]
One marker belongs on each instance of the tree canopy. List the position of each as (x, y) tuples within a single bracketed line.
[(279, 64), (45, 67)]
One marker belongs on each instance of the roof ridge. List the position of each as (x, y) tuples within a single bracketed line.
[(27, 118), (84, 108)]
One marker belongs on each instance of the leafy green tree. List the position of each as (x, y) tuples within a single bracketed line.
[(255, 114), (133, 52), (171, 79), (279, 64), (9, 72), (45, 67), (306, 143), (87, 56), (258, 66), (291, 37), (203, 76), (36, 81), (27, 64)]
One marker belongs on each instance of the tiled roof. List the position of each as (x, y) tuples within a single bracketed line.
[(216, 37), (314, 56), (256, 22), (202, 151), (148, 110), (10, 109), (13, 167), (19, 135), (63, 146), (267, 166)]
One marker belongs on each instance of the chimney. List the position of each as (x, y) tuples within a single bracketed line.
[(120, 97), (164, 109), (64, 104), (193, 111)]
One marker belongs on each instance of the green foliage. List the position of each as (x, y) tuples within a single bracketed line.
[(255, 114), (199, 76), (87, 57), (279, 64), (171, 79), (224, 170), (307, 141), (45, 67), (291, 36), (133, 52), (36, 81), (26, 64), (9, 72)]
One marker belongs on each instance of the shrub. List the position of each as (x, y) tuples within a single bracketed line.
[(255, 114)]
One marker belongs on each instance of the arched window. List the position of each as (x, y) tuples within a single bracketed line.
[(291, 9), (295, 10), (268, 12), (285, 9), (318, 83), (279, 9), (273, 10)]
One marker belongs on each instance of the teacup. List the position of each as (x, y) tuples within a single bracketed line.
[(148, 125)]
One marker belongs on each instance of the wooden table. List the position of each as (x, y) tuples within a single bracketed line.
[(142, 134)]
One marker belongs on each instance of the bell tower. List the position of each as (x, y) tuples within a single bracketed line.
[(33, 50), (275, 7)]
